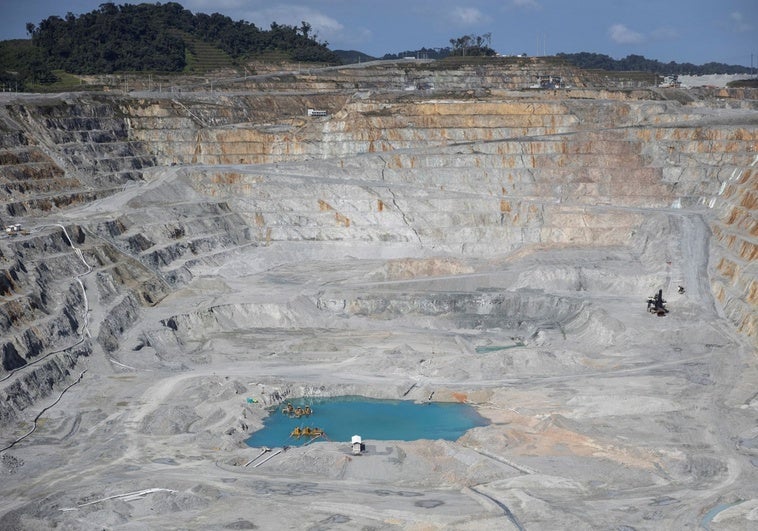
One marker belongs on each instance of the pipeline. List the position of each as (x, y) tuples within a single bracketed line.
[(411, 388), (78, 251), (128, 496), (314, 438), (508, 513), (269, 457), (263, 451)]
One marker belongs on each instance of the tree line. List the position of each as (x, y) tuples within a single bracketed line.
[(157, 37), (422, 53), (477, 45), (638, 63)]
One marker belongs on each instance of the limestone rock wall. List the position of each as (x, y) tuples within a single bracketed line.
[(451, 75), (221, 129), (33, 182), (87, 136), (481, 176), (168, 238), (62, 151), (734, 248)]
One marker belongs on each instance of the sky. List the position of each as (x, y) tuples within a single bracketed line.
[(684, 31)]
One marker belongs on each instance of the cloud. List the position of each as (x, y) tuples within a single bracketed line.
[(323, 25), (665, 34), (467, 16), (351, 38), (738, 22), (623, 35), (526, 4), (262, 13)]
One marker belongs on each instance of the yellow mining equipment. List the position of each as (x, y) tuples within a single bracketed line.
[(297, 412), (307, 432)]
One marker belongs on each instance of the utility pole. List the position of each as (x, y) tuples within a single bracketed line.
[(542, 44)]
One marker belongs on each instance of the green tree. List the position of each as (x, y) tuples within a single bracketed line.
[(640, 63), (472, 45), (152, 37)]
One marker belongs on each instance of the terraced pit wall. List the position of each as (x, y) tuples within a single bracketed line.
[(453, 75), (476, 175)]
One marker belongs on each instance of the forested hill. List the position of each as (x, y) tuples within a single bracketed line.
[(638, 63), (162, 37)]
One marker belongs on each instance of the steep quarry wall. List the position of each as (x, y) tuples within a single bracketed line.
[(222, 129), (477, 176), (453, 75), (734, 248)]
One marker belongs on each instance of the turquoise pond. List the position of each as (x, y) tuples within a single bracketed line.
[(342, 417)]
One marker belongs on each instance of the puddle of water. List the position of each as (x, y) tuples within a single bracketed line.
[(495, 348), (342, 417), (705, 522)]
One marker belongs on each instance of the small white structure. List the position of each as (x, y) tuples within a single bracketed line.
[(316, 112), (13, 229), (357, 445), (548, 82), (670, 82)]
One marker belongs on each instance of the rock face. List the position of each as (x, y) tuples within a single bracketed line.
[(451, 212), (734, 248)]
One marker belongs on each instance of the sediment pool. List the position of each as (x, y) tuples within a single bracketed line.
[(342, 417)]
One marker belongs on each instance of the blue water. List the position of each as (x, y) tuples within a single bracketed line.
[(705, 522), (342, 417)]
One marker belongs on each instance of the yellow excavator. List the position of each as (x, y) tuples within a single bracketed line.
[(297, 412), (306, 432)]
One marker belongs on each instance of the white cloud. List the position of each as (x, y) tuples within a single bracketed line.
[(526, 4), (623, 35), (665, 34), (467, 16), (738, 22), (351, 37), (262, 13), (323, 25)]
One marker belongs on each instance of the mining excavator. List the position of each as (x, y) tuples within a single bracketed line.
[(657, 305), (297, 412), (307, 432)]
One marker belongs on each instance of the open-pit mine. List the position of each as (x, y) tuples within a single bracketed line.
[(578, 264)]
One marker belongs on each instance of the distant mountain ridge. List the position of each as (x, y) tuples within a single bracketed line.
[(584, 60), (630, 63)]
